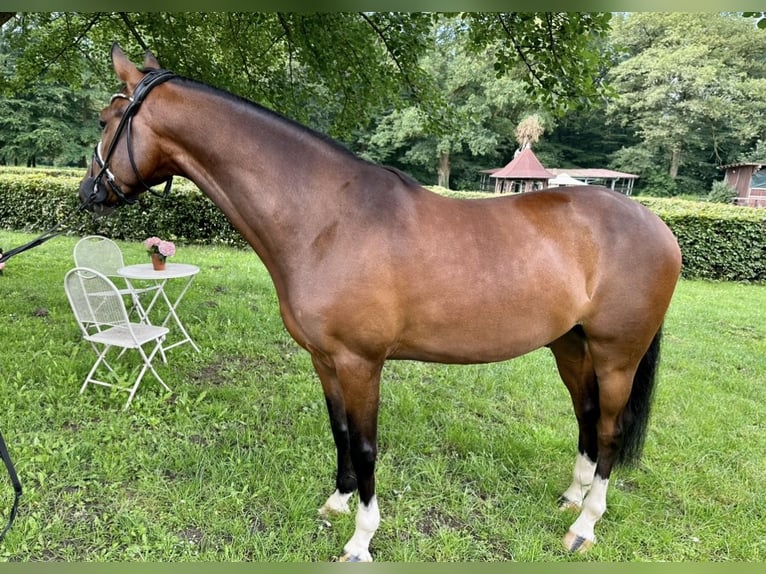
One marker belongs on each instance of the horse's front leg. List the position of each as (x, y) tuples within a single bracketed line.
[(359, 381), (345, 478)]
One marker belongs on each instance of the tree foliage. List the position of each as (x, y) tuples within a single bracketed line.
[(529, 130), (667, 96), (692, 87), (480, 112), (332, 70), (49, 123), (549, 47), (328, 69)]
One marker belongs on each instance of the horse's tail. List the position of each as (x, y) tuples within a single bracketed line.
[(635, 417)]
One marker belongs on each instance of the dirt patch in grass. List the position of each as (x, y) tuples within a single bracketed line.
[(435, 519), (224, 370)]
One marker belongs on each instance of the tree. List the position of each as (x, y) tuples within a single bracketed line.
[(693, 87), (529, 131), (51, 124), (333, 71), (562, 54), (327, 70), (480, 111)]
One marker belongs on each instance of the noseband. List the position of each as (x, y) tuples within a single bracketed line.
[(99, 193)]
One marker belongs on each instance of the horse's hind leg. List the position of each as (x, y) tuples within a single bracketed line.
[(345, 478), (612, 400), (576, 369), (615, 370)]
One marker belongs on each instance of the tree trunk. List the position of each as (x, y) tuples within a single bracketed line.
[(675, 161), (444, 168)]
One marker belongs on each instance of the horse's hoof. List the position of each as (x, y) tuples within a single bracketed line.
[(576, 543), (347, 557), (328, 511), (566, 504)]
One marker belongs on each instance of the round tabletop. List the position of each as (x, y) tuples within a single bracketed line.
[(147, 271)]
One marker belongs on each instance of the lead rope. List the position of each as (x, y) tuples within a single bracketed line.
[(152, 78), (16, 486), (52, 232)]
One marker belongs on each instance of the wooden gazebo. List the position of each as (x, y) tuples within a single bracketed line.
[(523, 173)]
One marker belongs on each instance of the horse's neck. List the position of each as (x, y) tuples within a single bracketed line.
[(274, 182)]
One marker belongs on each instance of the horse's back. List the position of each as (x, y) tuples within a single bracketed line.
[(493, 278)]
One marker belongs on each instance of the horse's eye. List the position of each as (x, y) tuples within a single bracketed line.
[(102, 123)]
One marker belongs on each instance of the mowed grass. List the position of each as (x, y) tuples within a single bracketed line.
[(233, 464)]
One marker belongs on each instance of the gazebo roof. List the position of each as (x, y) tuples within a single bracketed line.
[(524, 166), (593, 173), (564, 179)]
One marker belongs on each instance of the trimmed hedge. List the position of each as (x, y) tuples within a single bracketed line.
[(717, 241), (36, 202)]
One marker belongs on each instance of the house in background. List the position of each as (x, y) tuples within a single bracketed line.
[(526, 173), (749, 180)]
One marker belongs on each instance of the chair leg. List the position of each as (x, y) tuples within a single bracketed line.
[(157, 347), (147, 366), (103, 359), (99, 360), (134, 388)]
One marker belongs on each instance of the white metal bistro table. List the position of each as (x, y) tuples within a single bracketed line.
[(146, 272)]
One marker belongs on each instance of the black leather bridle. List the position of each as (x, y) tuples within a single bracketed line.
[(104, 181)]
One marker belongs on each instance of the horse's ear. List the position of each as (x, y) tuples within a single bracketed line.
[(150, 61), (124, 68)]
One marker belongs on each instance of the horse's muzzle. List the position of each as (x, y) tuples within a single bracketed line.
[(93, 196)]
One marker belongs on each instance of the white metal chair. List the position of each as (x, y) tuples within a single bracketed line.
[(102, 316), (105, 256)]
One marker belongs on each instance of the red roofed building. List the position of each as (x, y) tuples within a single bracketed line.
[(523, 173)]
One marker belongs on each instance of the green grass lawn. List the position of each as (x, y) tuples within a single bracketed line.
[(233, 464)]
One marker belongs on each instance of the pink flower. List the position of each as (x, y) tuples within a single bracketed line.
[(166, 248), (160, 247), (151, 243)]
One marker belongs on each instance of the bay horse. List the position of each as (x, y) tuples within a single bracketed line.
[(370, 266)]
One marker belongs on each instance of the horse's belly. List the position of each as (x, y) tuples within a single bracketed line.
[(486, 333)]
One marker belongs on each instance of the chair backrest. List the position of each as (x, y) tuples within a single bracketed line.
[(98, 253), (95, 301)]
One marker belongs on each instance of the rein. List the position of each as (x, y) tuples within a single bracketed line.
[(16, 486), (50, 234), (98, 195)]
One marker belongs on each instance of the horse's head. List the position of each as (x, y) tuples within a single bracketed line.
[(126, 160)]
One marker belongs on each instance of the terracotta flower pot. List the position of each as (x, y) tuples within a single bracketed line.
[(158, 262)]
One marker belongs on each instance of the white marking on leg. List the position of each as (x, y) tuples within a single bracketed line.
[(367, 522), (593, 509), (337, 503), (584, 470)]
